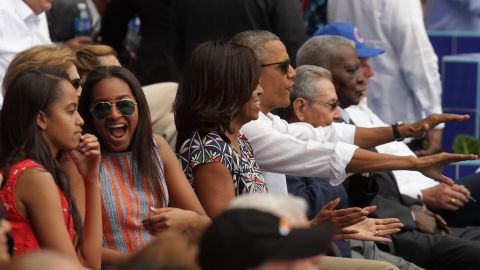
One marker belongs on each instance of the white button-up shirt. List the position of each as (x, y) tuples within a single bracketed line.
[(407, 85), (20, 29), (410, 183), (299, 149)]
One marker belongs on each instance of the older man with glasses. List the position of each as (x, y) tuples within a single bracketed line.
[(330, 151), (457, 203), (424, 239)]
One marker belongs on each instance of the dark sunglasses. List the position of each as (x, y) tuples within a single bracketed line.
[(333, 105), (283, 65), (103, 109), (76, 82)]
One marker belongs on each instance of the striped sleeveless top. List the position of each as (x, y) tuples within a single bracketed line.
[(126, 199)]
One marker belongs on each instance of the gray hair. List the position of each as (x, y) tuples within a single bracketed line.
[(305, 85), (321, 51), (281, 205), (255, 40)]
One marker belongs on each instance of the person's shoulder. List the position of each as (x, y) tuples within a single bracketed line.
[(34, 175), (159, 140), (199, 142), (211, 139), (261, 122)]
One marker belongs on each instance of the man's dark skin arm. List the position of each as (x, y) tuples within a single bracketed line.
[(370, 137)]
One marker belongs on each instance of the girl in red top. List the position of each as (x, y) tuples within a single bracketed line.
[(39, 123)]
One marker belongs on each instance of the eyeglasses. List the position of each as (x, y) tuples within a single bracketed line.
[(77, 82), (103, 109), (333, 104), (283, 65)]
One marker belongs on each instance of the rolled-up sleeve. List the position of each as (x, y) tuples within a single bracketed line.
[(278, 150)]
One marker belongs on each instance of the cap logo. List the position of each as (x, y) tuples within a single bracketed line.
[(284, 227), (357, 35)]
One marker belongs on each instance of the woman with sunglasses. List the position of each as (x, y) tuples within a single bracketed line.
[(218, 93), (139, 173), (55, 56), (39, 124)]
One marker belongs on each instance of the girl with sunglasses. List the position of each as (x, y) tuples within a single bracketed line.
[(39, 124), (140, 175), (218, 93)]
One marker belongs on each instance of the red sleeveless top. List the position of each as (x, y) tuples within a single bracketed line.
[(22, 230)]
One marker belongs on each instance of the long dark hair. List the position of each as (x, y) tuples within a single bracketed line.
[(142, 145), (32, 91), (218, 80)]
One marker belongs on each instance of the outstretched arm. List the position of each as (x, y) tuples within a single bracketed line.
[(280, 148), (431, 166), (371, 137)]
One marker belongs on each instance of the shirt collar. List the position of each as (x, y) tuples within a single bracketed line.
[(23, 10), (345, 115)]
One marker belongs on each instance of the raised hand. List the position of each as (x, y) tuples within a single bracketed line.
[(432, 166), (87, 157), (420, 128)]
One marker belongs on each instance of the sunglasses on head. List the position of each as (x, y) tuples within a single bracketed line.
[(103, 109), (283, 66), (76, 82)]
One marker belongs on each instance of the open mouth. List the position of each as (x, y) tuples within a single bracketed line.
[(117, 130)]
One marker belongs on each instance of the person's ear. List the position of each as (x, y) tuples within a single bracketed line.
[(42, 120), (299, 108)]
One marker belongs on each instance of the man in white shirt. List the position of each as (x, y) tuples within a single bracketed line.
[(408, 72), (23, 24), (328, 151), (411, 183), (420, 240)]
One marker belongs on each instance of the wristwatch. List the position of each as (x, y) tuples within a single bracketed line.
[(396, 132)]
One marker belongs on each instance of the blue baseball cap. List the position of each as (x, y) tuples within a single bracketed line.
[(349, 31)]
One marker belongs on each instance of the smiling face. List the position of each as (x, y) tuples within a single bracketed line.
[(323, 109), (277, 85), (116, 131), (347, 77), (61, 125), (250, 110)]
